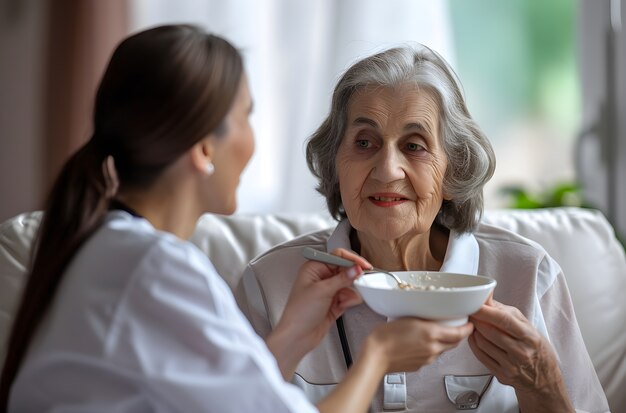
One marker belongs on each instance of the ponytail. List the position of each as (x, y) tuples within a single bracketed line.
[(75, 208)]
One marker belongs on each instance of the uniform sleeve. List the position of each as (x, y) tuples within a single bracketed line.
[(580, 377), (179, 326)]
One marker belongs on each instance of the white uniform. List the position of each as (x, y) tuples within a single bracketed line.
[(527, 278), (142, 322)]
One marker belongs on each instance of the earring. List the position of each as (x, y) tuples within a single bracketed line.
[(209, 168)]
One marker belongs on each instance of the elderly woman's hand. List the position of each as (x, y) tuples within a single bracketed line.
[(320, 294), (508, 345)]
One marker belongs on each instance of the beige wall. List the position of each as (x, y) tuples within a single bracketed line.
[(22, 47)]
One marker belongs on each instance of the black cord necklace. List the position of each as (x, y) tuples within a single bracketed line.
[(345, 347)]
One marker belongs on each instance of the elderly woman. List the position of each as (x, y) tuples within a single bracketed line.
[(402, 166)]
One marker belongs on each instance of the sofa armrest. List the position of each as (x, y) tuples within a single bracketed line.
[(16, 237)]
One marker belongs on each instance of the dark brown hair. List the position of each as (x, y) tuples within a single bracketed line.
[(164, 89)]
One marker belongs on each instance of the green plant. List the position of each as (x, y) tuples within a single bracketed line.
[(565, 194)]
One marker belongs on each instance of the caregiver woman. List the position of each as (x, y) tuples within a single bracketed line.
[(120, 313)]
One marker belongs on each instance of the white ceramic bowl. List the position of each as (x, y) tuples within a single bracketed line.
[(454, 298)]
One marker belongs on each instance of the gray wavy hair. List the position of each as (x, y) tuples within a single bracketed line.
[(471, 160)]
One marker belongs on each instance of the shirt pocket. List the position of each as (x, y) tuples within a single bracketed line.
[(465, 392)]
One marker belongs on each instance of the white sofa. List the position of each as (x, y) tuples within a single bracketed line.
[(582, 241)]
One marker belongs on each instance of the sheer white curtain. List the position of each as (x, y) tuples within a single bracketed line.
[(295, 51)]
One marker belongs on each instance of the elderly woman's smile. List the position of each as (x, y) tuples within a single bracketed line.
[(387, 200), (391, 163)]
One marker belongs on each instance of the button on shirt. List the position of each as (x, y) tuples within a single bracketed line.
[(143, 323)]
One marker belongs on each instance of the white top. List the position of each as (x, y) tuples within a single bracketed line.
[(528, 278), (142, 322)]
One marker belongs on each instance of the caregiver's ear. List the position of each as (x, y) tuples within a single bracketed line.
[(201, 153)]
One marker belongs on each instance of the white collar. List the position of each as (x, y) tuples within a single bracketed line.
[(461, 255)]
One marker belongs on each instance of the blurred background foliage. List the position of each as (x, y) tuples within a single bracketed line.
[(566, 194), (517, 61), (521, 55), (561, 195)]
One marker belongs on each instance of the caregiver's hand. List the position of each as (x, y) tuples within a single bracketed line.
[(508, 345), (320, 294), (406, 344), (411, 343)]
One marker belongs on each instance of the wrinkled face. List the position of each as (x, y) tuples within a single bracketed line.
[(390, 162), (233, 150)]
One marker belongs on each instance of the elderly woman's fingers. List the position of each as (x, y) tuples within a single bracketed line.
[(538, 368), (514, 311), (506, 318), (513, 346), (502, 328), (506, 348), (496, 352), (482, 355), (503, 369), (506, 368)]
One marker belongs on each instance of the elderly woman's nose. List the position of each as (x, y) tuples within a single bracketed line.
[(388, 166)]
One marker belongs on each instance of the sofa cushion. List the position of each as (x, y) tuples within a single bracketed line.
[(580, 240), (233, 241)]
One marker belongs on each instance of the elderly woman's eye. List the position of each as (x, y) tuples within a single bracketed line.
[(412, 146), (363, 143)]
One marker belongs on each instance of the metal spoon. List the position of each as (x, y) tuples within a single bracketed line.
[(316, 255)]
